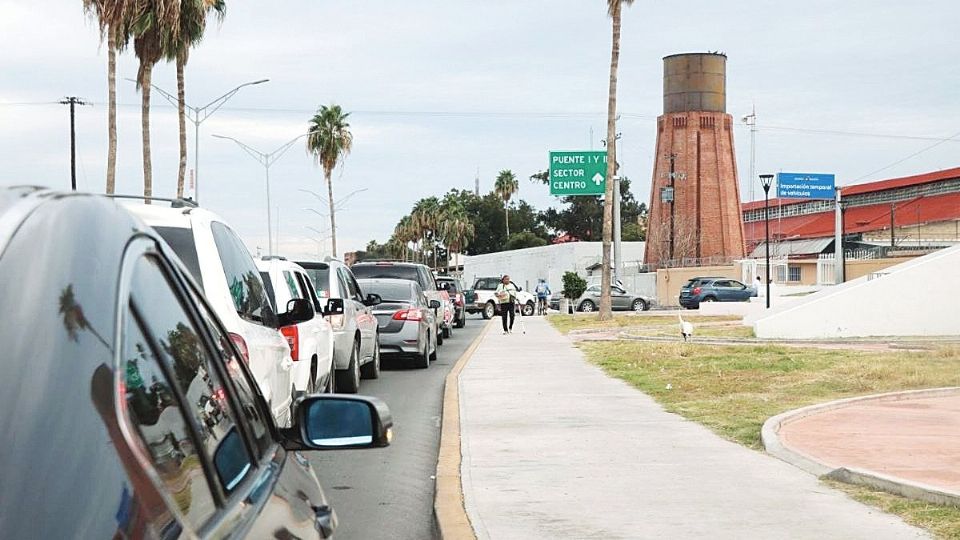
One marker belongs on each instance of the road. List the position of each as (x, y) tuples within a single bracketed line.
[(388, 492)]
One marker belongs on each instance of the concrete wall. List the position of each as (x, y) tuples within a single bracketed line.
[(671, 280), (526, 266), (856, 269), (908, 300)]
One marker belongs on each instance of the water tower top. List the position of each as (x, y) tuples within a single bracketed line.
[(695, 82)]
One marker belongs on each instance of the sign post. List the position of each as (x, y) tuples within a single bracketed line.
[(578, 173)]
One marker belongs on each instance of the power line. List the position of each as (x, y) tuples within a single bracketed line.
[(853, 133), (915, 154)]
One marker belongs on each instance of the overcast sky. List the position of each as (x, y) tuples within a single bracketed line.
[(439, 90)]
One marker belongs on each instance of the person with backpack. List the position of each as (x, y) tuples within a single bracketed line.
[(543, 296), (506, 295)]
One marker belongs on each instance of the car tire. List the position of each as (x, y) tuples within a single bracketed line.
[(312, 383), (446, 332), (423, 360), (709, 299), (461, 322), (348, 380), (433, 355), (527, 309), (439, 336), (371, 370), (489, 310), (640, 305), (587, 306), (331, 386)]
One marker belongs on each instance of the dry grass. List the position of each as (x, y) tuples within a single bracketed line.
[(654, 323)]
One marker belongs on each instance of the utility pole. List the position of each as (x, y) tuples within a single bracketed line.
[(73, 102), (838, 239), (751, 120), (617, 256), (673, 202)]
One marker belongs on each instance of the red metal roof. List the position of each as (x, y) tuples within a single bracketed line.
[(869, 187), (859, 219)]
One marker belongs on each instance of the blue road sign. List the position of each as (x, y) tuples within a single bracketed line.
[(805, 185)]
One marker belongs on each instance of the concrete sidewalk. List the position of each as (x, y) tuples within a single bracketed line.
[(553, 448)]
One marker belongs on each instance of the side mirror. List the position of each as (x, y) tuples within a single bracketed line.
[(298, 311), (434, 304), (372, 300), (337, 422), (334, 307)]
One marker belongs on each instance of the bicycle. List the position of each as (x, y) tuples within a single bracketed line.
[(541, 306)]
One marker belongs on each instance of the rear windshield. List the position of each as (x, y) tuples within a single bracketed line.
[(181, 240), (321, 280), (486, 284), (389, 292), (451, 284), (386, 271)]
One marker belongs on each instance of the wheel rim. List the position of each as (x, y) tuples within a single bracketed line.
[(638, 305), (491, 311), (587, 307)]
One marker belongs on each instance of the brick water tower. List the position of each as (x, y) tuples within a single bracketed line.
[(695, 198)]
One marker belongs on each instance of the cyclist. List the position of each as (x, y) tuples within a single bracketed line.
[(543, 296)]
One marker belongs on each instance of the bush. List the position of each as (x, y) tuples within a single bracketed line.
[(573, 285)]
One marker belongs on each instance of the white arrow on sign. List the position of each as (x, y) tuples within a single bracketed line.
[(597, 179)]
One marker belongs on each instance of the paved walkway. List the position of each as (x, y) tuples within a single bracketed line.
[(553, 448), (915, 439)]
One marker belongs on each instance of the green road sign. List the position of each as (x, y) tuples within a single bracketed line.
[(578, 173)]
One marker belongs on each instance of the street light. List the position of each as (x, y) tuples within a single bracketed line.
[(843, 233), (765, 181), (198, 115), (266, 159)]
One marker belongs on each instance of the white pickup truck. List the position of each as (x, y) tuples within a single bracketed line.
[(482, 301)]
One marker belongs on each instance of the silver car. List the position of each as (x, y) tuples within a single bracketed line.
[(407, 324), (620, 300)]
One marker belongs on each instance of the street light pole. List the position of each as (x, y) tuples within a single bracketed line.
[(266, 159), (73, 102), (765, 181), (198, 115)]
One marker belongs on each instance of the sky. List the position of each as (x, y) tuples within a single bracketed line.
[(440, 92)]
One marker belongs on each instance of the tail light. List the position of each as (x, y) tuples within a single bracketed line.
[(408, 315), (697, 290), (241, 345), (293, 340)]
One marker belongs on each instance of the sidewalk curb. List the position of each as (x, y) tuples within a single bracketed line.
[(448, 507), (770, 437)]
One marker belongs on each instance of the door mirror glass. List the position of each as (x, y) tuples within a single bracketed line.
[(345, 422), (298, 310), (334, 307), (372, 300), (434, 304)]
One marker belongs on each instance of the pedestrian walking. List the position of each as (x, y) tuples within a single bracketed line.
[(506, 295), (543, 296)]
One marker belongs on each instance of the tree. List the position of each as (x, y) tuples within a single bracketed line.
[(330, 141), (573, 285), (524, 239), (154, 24), (505, 186), (113, 18), (583, 216), (193, 24), (614, 8)]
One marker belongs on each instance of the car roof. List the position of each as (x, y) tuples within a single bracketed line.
[(161, 215), (388, 263), (315, 265), (270, 262)]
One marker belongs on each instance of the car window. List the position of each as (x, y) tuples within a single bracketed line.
[(243, 388), (594, 289), (243, 279), (427, 281), (320, 277), (355, 287), (268, 287), (191, 373), (183, 244), (399, 292), (351, 287), (387, 271), (163, 430), (291, 285), (737, 285), (618, 290), (304, 282)]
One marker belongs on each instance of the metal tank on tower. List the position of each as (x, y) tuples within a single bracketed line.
[(695, 197)]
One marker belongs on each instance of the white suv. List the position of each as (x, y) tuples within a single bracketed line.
[(225, 271), (311, 342)]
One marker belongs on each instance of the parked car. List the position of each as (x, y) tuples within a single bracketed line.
[(714, 289), (620, 300), (311, 342), (223, 267), (484, 303), (136, 415), (454, 287), (411, 271), (408, 325), (555, 300), (356, 347)]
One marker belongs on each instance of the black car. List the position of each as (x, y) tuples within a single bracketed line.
[(410, 271), (128, 412)]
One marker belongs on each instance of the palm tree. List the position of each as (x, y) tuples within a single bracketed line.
[(505, 186), (329, 142), (457, 231), (113, 17), (614, 8), (155, 23), (193, 24), (426, 217)]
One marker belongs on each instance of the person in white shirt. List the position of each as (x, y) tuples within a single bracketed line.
[(506, 295)]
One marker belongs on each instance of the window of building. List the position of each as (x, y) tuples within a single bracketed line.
[(793, 273)]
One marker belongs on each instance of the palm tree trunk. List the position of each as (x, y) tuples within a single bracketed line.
[(111, 113), (182, 113), (506, 211), (333, 217), (145, 126), (605, 305)]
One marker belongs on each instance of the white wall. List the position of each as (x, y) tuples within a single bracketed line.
[(910, 299), (526, 266)]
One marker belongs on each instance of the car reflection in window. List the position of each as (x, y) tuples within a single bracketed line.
[(231, 461)]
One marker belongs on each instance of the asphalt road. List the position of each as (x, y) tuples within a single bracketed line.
[(388, 492)]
